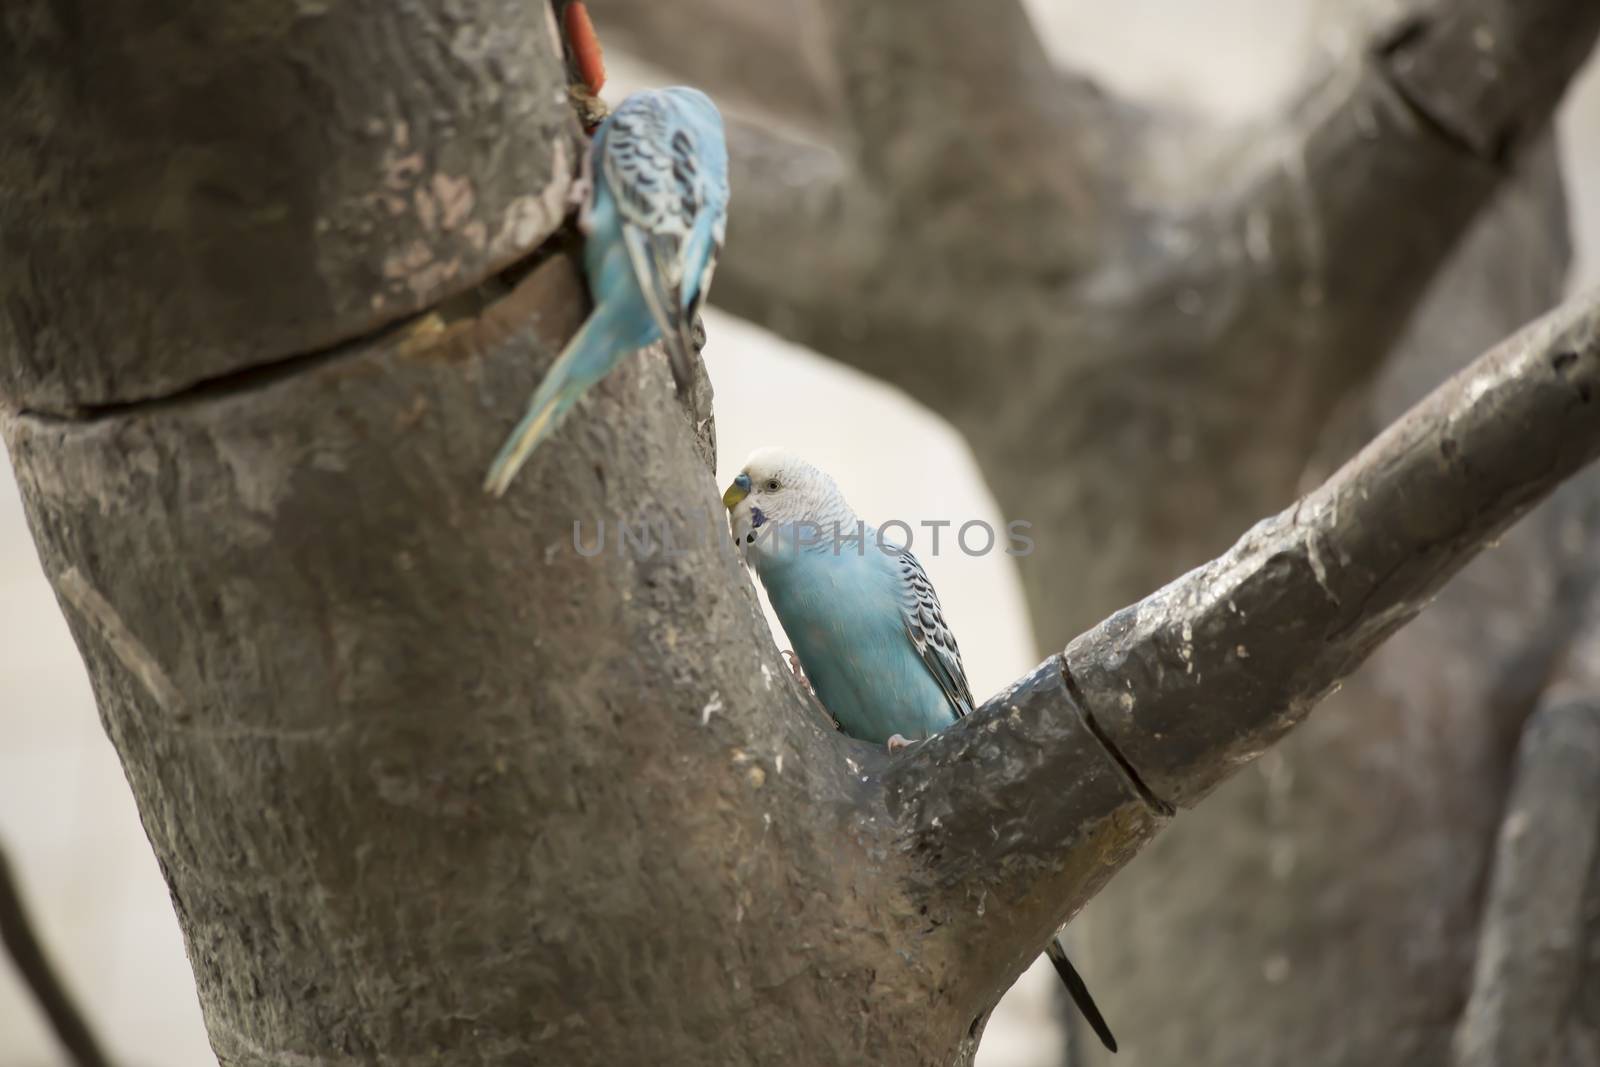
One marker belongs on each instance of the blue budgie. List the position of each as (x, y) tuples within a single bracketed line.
[(654, 219), (864, 620)]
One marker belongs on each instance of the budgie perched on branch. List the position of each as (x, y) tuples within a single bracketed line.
[(864, 620), (654, 221)]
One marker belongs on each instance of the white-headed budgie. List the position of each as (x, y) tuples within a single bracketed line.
[(654, 222), (864, 620)]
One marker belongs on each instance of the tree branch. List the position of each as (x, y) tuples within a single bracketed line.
[(1373, 824), (814, 249), (1368, 186), (1322, 248), (17, 934), (1322, 583), (769, 54), (1487, 74), (956, 109), (1027, 807), (1309, 266), (819, 265), (1532, 949)]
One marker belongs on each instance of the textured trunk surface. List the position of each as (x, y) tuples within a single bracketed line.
[(1178, 331), (430, 784)]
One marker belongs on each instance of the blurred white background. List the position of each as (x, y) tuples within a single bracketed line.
[(66, 814)]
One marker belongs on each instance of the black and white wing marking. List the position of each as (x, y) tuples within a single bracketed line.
[(925, 625), (650, 161)]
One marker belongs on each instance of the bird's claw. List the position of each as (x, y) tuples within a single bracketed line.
[(580, 189), (793, 661), (799, 673), (899, 741)]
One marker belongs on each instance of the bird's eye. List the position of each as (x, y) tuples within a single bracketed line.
[(772, 484)]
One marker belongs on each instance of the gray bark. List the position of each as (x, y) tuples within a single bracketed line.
[(1231, 314), (247, 180), (424, 780), (412, 798)]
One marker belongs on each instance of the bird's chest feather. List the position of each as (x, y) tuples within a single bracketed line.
[(843, 617)]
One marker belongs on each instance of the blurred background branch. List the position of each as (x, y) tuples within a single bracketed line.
[(1529, 979), (21, 940)]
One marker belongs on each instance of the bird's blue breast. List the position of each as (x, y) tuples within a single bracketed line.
[(842, 615)]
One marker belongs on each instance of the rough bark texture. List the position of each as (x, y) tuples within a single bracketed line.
[(426, 778), (1375, 540), (244, 180), (1245, 310), (428, 782), (421, 777)]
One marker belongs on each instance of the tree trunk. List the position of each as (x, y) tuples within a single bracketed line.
[(429, 782), (1219, 321)]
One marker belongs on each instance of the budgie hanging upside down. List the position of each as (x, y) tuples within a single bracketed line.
[(654, 223), (864, 620)]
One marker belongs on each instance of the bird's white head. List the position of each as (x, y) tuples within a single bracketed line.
[(778, 497)]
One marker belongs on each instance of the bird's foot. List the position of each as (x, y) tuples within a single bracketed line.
[(899, 741), (799, 672), (805, 683), (579, 191)]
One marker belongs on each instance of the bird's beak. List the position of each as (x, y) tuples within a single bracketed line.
[(737, 491)]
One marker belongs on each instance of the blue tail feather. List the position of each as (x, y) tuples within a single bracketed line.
[(585, 360)]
